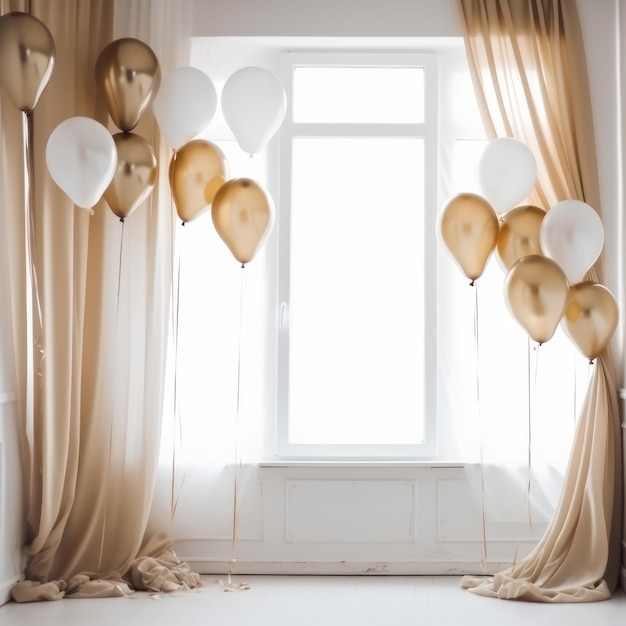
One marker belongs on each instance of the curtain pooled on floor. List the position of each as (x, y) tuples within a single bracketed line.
[(90, 445), (528, 66)]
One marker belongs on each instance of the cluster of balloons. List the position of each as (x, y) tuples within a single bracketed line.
[(88, 163), (545, 254), (83, 158), (254, 105)]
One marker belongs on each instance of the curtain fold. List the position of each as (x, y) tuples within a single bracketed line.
[(528, 66), (90, 445)]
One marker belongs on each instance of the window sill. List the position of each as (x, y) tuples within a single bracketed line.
[(367, 463)]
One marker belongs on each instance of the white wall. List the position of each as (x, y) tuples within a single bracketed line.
[(326, 18)]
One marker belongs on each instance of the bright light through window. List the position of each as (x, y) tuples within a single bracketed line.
[(354, 242), (356, 337), (390, 95)]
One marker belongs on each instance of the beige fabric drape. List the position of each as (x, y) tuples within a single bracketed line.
[(90, 446), (528, 66)]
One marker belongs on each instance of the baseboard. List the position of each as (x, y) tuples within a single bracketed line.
[(343, 568), (5, 588)]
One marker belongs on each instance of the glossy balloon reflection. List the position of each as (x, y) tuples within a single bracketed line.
[(468, 226), (134, 176), (519, 234), (197, 171), (128, 75), (243, 215), (590, 318), (536, 292), (27, 51)]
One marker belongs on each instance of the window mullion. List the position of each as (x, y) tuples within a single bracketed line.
[(358, 130)]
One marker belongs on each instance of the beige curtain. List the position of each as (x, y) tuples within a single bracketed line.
[(528, 66), (90, 437)]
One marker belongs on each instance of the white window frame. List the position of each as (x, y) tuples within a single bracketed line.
[(428, 131)]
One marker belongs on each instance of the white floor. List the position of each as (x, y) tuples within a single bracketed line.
[(316, 601)]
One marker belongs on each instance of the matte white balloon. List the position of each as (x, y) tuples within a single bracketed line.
[(81, 158), (254, 104), (184, 105), (572, 234), (507, 172)]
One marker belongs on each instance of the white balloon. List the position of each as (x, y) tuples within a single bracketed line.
[(254, 105), (507, 171), (81, 158), (184, 105), (572, 234)]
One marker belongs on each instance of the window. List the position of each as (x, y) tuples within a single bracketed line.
[(351, 271), (357, 320)]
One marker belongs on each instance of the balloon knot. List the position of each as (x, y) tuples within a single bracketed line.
[(243, 266), (540, 344), (472, 283), (183, 223), (122, 220), (591, 361)]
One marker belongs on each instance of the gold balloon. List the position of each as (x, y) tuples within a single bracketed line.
[(468, 225), (590, 318), (197, 171), (243, 215), (536, 291), (128, 76), (134, 176), (27, 51), (519, 234)]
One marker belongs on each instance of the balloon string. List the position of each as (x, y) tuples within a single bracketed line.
[(112, 412), (532, 393), (34, 316), (230, 586), (178, 425), (479, 414)]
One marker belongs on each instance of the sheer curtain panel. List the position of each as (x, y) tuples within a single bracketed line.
[(90, 438)]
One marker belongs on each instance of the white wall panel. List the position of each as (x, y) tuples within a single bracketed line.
[(339, 511)]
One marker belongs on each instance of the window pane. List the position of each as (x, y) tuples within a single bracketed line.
[(356, 300), (358, 94)]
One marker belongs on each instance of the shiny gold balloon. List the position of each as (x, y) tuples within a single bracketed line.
[(519, 234), (135, 174), (468, 225), (590, 318), (536, 291), (243, 215), (27, 53), (128, 76), (197, 171)]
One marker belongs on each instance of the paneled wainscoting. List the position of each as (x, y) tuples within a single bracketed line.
[(356, 518)]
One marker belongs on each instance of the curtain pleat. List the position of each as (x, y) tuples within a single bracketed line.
[(90, 446), (528, 66)]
